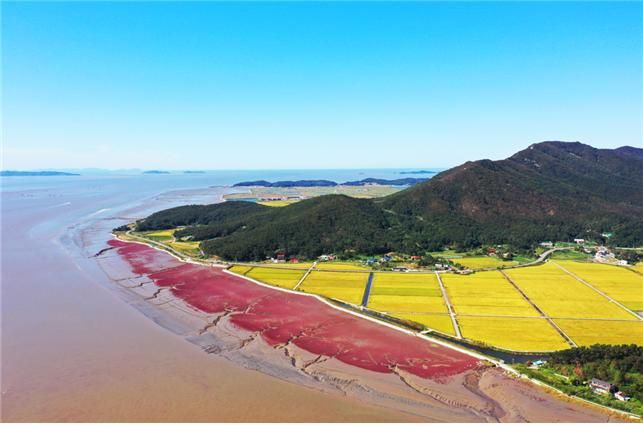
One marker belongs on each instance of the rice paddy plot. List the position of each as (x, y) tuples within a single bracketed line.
[(278, 203), (406, 293), (240, 269), (623, 285), (517, 334), (347, 287), (475, 263), (486, 292), (341, 266), (160, 235), (439, 322), (588, 332), (190, 248), (289, 265), (281, 277), (559, 294)]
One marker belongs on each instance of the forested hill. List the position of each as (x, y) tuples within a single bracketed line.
[(549, 191)]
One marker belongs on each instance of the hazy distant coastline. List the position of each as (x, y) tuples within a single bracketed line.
[(420, 172), (38, 173), (327, 183)]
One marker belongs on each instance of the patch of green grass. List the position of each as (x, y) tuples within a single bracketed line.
[(571, 255), (159, 236)]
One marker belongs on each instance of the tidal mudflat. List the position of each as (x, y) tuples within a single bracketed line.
[(306, 342)]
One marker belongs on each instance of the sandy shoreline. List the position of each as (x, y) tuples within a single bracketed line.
[(481, 393)]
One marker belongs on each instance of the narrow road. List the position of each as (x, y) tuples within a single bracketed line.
[(367, 290), (540, 260), (456, 327), (312, 267)]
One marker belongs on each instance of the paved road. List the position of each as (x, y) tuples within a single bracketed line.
[(367, 290)]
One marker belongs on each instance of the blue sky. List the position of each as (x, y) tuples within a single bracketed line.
[(313, 85)]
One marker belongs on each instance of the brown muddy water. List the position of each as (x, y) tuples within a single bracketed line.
[(72, 350)]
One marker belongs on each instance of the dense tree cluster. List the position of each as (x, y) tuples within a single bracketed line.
[(621, 365)]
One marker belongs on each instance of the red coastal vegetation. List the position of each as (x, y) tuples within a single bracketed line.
[(281, 318)]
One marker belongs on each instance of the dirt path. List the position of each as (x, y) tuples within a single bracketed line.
[(454, 321)]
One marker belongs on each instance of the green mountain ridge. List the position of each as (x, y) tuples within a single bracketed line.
[(549, 191)]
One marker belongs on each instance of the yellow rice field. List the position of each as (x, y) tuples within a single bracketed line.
[(482, 262), (341, 266), (518, 334), (486, 292), (623, 285), (406, 293), (289, 265), (439, 322), (160, 235), (190, 248), (277, 203), (560, 295), (240, 269), (489, 309), (347, 287), (588, 332), (280, 277)]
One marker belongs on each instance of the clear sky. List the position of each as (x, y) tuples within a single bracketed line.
[(313, 85)]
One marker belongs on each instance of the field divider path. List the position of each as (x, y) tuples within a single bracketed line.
[(538, 309), (367, 289), (312, 267), (589, 285), (456, 326)]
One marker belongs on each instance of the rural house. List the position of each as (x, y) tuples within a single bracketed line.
[(601, 387)]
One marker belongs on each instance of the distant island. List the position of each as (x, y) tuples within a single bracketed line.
[(326, 183), (155, 172), (420, 172), (193, 171), (38, 173)]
